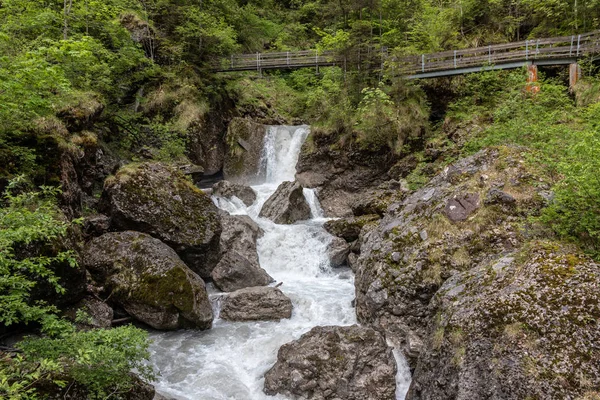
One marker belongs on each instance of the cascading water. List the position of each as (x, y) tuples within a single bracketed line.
[(229, 361)]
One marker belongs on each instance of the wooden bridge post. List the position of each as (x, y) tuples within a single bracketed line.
[(532, 77), (574, 75)]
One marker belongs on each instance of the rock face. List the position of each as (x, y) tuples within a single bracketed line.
[(332, 362), (256, 304), (349, 228), (520, 327), (238, 267), (338, 251), (157, 200), (287, 205), (149, 280), (228, 190), (418, 245), (341, 175), (245, 142)]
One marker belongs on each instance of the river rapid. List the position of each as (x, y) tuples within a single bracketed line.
[(228, 361)]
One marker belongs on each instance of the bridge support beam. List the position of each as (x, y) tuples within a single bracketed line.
[(574, 75), (532, 77)]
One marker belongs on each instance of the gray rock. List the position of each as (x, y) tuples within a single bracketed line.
[(245, 141), (235, 272), (287, 205), (149, 280), (460, 207), (497, 196), (332, 362), (398, 272), (240, 234), (516, 328), (238, 267), (158, 200), (256, 304), (228, 190), (338, 251), (99, 313), (349, 228), (96, 225), (353, 261)]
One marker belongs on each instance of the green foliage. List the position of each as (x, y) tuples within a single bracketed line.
[(18, 376), (29, 218), (564, 141), (99, 359)]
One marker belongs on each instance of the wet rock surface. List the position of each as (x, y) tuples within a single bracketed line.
[(287, 205), (256, 304), (416, 246), (239, 267), (332, 362), (341, 175), (149, 280), (519, 327), (338, 251), (235, 272), (228, 190), (245, 143), (158, 200)]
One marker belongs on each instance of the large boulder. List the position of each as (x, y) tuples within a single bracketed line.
[(287, 205), (256, 304), (228, 190), (525, 326), (235, 272), (436, 232), (238, 267), (333, 362), (148, 279), (158, 200), (245, 143), (338, 251)]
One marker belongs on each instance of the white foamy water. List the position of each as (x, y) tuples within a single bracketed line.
[(228, 362)]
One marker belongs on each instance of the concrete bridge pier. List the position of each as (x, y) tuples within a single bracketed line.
[(574, 75)]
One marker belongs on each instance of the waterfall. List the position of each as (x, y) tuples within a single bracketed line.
[(228, 362)]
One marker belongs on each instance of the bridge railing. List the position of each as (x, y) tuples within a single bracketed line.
[(563, 48), (277, 60), (566, 47)]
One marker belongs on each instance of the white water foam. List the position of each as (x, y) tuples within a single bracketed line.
[(228, 362)]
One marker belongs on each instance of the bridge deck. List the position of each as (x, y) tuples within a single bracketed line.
[(550, 51)]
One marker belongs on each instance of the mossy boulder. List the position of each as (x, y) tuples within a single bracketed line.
[(158, 200), (335, 362), (148, 279), (244, 149), (525, 326), (418, 244)]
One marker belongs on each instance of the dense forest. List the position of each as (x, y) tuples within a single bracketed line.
[(136, 79)]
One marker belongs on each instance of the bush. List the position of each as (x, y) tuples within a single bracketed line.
[(100, 360)]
